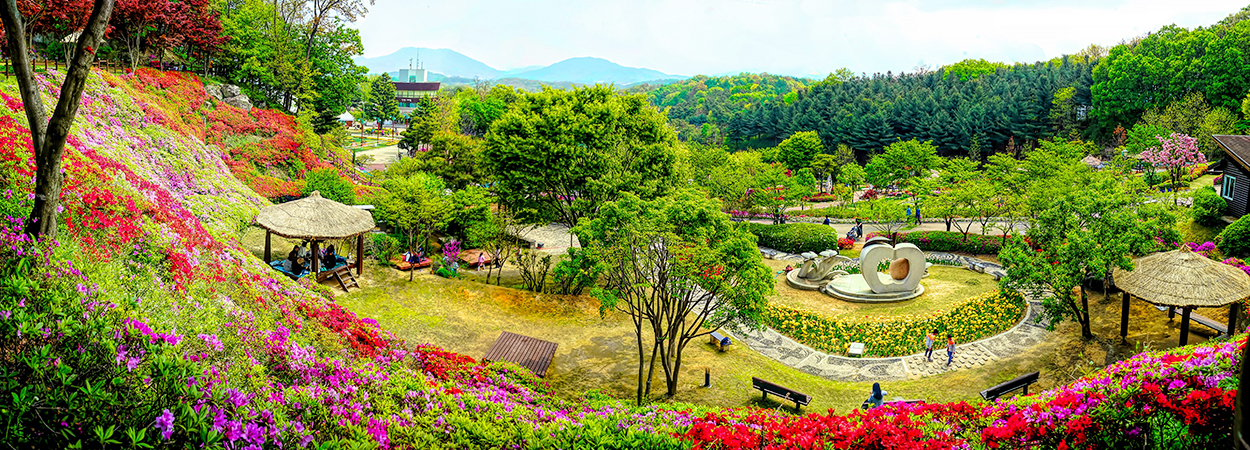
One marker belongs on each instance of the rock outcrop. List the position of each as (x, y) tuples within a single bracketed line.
[(230, 94)]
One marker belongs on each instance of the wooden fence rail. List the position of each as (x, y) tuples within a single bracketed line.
[(42, 65)]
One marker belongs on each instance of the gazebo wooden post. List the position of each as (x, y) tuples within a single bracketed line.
[(316, 260), (268, 252), (1185, 326), (1124, 316), (360, 254), (1171, 312), (1233, 310)]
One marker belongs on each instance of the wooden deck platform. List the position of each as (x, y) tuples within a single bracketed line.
[(530, 353), (469, 257)]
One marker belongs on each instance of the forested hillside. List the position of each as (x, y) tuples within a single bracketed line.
[(700, 107), (1191, 81), (868, 113)]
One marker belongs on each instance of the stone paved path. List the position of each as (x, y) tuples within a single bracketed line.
[(383, 155), (1012, 342), (555, 238)]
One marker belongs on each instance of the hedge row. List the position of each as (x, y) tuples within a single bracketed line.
[(795, 237), (951, 241)]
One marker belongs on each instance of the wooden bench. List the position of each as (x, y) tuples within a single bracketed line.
[(1020, 382), (719, 340), (785, 393), (1220, 328)]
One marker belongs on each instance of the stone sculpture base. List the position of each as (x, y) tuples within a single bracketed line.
[(853, 288), (803, 284)]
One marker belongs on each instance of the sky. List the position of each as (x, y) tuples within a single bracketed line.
[(789, 37)]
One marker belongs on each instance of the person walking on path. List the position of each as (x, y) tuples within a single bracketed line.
[(826, 220), (950, 349), (929, 340)]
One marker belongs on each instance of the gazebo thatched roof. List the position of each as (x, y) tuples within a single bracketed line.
[(315, 218), (1183, 278), (1092, 161)]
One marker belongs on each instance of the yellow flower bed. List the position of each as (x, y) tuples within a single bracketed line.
[(975, 318)]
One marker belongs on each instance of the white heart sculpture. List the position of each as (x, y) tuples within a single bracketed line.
[(873, 256)]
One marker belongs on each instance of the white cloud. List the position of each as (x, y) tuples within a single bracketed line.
[(801, 37)]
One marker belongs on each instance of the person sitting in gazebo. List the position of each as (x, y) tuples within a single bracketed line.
[(290, 259), (329, 259), (292, 264)]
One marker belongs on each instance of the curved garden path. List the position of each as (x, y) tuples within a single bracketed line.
[(1012, 342)]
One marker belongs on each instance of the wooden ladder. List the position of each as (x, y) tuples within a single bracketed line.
[(349, 282)]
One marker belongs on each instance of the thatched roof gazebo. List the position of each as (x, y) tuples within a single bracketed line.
[(315, 218), (1183, 279)]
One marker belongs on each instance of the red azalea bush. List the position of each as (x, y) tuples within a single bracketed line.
[(845, 243), (258, 143), (905, 426)]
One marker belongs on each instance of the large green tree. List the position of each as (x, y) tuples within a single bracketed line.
[(559, 155), (797, 151), (1083, 234), (680, 269), (906, 164), (381, 105)]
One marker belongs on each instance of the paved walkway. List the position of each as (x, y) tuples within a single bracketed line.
[(383, 155), (555, 238), (1012, 342)]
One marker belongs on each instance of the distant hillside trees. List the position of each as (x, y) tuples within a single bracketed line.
[(1168, 65), (701, 106), (867, 113)]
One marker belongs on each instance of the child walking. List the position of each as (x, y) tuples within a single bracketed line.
[(950, 349), (929, 340)]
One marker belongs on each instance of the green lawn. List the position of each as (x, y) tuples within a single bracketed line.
[(1194, 232), (1201, 182)]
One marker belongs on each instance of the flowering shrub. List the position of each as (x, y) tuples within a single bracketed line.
[(1174, 154), (845, 243), (1184, 396), (903, 427), (974, 318), (795, 237)]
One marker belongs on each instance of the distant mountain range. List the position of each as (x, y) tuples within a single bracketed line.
[(454, 67)]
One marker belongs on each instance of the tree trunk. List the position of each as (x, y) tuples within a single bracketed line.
[(655, 349), (48, 135), (641, 357), (1083, 315)]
